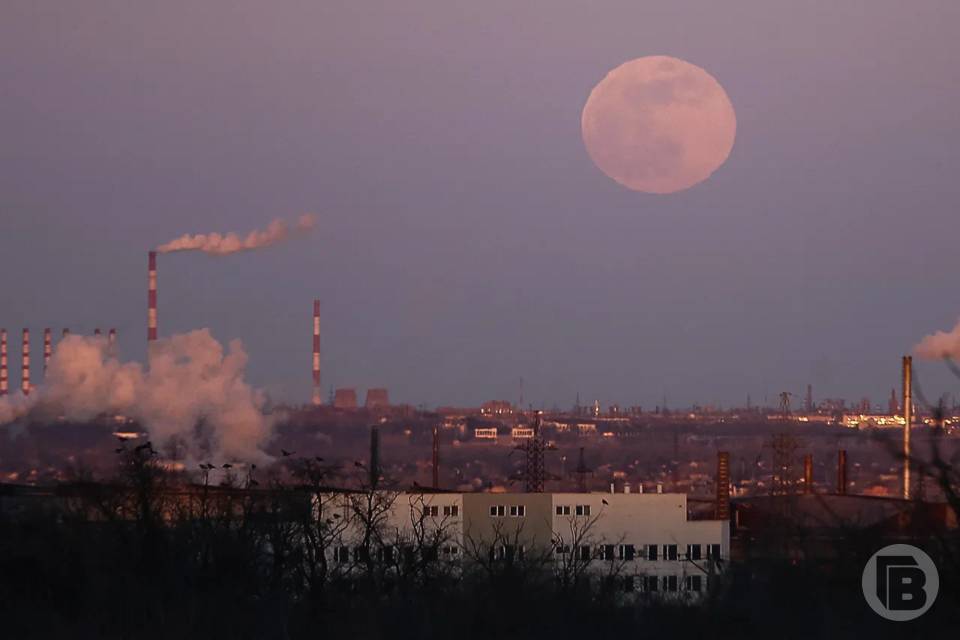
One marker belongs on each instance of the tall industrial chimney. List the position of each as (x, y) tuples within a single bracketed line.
[(808, 473), (47, 350), (152, 297), (723, 486), (25, 364), (317, 395), (436, 456), (374, 457), (842, 472), (908, 421), (3, 362)]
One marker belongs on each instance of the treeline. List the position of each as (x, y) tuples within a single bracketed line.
[(137, 560)]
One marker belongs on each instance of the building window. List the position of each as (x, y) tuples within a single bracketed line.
[(562, 549), (341, 554), (583, 510), (670, 552), (713, 551), (563, 509), (585, 552), (671, 583), (497, 511), (608, 551), (451, 510), (451, 551), (694, 583), (626, 552), (693, 551), (361, 554), (518, 510), (652, 552), (651, 583), (385, 554), (432, 510), (628, 583)]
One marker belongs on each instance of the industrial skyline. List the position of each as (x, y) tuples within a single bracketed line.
[(464, 239)]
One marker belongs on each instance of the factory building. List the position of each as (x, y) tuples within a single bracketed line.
[(642, 542)]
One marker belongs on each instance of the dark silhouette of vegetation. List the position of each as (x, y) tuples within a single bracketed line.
[(145, 557)]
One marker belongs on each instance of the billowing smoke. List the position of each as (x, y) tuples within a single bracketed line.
[(225, 244), (13, 407), (942, 344), (191, 397)]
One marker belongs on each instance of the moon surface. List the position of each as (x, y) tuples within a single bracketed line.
[(658, 124)]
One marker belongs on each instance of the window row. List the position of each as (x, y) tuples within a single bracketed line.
[(653, 584), (508, 552), (389, 554), (448, 510), (515, 510), (651, 552), (580, 510)]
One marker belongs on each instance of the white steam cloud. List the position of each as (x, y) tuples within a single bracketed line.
[(192, 394), (225, 244), (942, 344)]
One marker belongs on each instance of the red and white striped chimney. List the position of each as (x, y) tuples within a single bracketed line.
[(317, 396), (3, 362), (152, 297), (47, 350), (25, 364)]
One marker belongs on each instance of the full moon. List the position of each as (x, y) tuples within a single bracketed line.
[(658, 124)]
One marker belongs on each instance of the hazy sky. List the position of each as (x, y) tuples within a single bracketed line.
[(464, 238)]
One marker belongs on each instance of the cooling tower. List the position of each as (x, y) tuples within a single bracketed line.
[(345, 398), (377, 399)]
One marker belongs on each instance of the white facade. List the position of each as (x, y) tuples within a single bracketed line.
[(645, 537)]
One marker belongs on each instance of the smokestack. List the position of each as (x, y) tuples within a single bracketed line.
[(152, 297), (908, 420), (112, 342), (96, 332), (723, 486), (25, 364), (317, 395), (842, 472), (3, 362), (374, 457), (436, 456), (112, 336), (808, 473), (47, 350)]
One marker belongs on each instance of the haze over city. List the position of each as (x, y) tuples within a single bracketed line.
[(490, 320), (464, 238)]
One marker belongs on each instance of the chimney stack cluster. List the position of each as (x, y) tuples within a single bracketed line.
[(3, 362), (25, 364), (152, 296), (908, 421), (317, 394), (47, 350)]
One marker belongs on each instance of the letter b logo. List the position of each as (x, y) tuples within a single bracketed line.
[(900, 582)]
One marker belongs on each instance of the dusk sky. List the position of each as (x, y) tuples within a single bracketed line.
[(464, 237)]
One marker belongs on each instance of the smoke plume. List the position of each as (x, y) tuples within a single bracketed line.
[(192, 394), (942, 344), (225, 244)]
